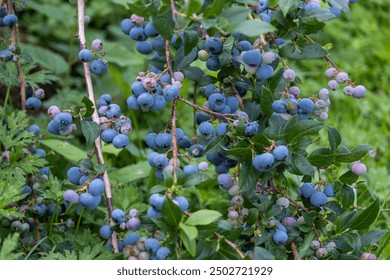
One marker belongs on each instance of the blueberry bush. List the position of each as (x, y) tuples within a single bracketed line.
[(208, 146)]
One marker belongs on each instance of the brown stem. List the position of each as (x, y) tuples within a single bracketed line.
[(95, 118), (174, 111), (294, 250), (169, 61), (231, 244), (13, 39)]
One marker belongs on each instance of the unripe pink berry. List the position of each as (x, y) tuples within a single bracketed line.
[(359, 168)]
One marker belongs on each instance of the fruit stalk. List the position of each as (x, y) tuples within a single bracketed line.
[(95, 118), (231, 244), (13, 36)]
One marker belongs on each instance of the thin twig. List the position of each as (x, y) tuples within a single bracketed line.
[(231, 244), (294, 250), (173, 114), (296, 204), (223, 116), (95, 118), (13, 38)]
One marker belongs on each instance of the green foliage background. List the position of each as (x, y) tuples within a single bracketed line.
[(360, 46)]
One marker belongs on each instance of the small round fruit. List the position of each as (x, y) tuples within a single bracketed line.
[(280, 152), (318, 199), (280, 237), (284, 202), (105, 231), (359, 168), (225, 181)]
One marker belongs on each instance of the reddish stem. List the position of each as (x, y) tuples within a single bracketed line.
[(95, 118)]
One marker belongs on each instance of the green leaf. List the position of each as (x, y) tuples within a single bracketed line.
[(180, 60), (190, 244), (190, 40), (195, 179), (132, 172), (263, 254), (47, 59), (216, 8), (164, 23), (203, 217), (288, 5), (301, 130), (347, 196), (142, 9), (194, 6), (240, 151), (266, 100), (275, 130), (252, 28), (372, 237), (348, 178), (321, 15), (306, 51), (248, 178), (171, 212), (193, 73), (89, 106), (345, 220), (65, 149), (300, 165), (235, 14), (321, 157), (253, 110), (357, 153), (333, 137), (8, 248), (353, 240), (215, 145), (367, 217), (91, 130), (190, 231)]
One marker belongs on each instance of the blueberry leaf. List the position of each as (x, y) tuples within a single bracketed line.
[(91, 130)]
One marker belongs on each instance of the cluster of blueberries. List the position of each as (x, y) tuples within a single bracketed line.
[(140, 31), (132, 245), (261, 8), (156, 201), (316, 197), (97, 64), (338, 78), (95, 188), (7, 19), (114, 126), (61, 123), (151, 92), (266, 160)]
